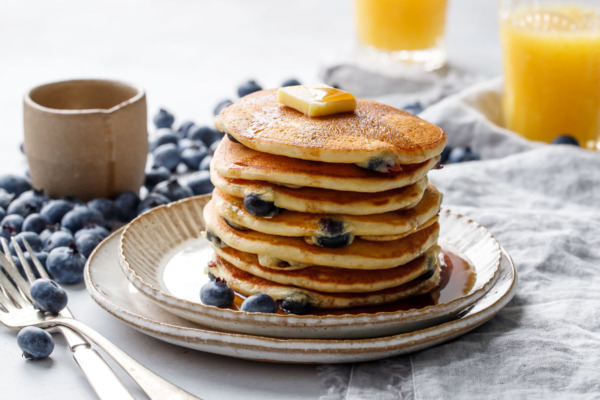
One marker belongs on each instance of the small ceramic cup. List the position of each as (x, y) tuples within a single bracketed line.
[(86, 138)]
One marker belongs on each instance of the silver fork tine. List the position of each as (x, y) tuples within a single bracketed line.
[(24, 263), (4, 300), (12, 268), (12, 292), (13, 273), (38, 265)]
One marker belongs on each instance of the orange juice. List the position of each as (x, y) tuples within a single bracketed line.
[(395, 25), (551, 60)]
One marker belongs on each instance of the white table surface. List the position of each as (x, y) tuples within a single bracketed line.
[(188, 55)]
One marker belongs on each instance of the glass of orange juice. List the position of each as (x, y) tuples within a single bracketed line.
[(551, 61), (395, 36)]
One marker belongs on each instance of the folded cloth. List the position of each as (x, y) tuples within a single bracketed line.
[(542, 202)]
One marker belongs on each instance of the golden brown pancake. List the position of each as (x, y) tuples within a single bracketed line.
[(248, 284), (233, 160), (333, 280), (315, 200), (361, 254), (373, 131)]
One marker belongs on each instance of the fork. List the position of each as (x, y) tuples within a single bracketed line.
[(19, 312), (101, 377)]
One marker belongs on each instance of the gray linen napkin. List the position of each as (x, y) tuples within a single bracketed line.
[(542, 202)]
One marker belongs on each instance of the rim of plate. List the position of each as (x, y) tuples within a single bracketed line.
[(166, 299)]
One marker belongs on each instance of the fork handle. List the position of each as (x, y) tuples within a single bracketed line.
[(156, 387)]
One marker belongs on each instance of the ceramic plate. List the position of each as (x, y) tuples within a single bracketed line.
[(113, 292), (164, 256)]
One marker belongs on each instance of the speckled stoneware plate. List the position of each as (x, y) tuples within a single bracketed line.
[(164, 256), (113, 292)]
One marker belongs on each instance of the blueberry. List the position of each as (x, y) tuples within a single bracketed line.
[(221, 105), (217, 293), (206, 134), (106, 207), (32, 238), (93, 228), (192, 156), (199, 182), (185, 143), (260, 302), (11, 225), (258, 207), (184, 128), (173, 190), (34, 196), (81, 216), (86, 243), (167, 156), (163, 136), (426, 275), (58, 239), (156, 175), (23, 207), (5, 198), (2, 213), (333, 242), (213, 147), (50, 229), (14, 184), (445, 154), (66, 264), (55, 210), (48, 296), (248, 87), (334, 235), (296, 304), (565, 139), (127, 206), (163, 119), (151, 201), (331, 226), (413, 108), (215, 240), (35, 223), (205, 163), (290, 82), (35, 342), (232, 139), (461, 154)]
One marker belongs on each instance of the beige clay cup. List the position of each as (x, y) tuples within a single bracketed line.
[(86, 138)]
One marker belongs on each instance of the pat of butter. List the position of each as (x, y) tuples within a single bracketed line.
[(316, 100)]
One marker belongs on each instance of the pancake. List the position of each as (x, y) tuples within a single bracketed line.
[(314, 200), (248, 284), (333, 280), (361, 254), (233, 160), (391, 225), (373, 131)]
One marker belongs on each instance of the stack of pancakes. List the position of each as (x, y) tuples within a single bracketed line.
[(325, 212)]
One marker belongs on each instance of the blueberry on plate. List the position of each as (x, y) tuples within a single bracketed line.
[(106, 207), (66, 264), (35, 223), (199, 182), (86, 243), (461, 154), (163, 119), (193, 155), (14, 184), (206, 134), (167, 156), (58, 239), (290, 82), (260, 302), (11, 225), (296, 303), (32, 238), (92, 228), (217, 293), (5, 198), (55, 210), (248, 87), (127, 204), (80, 216), (23, 207), (35, 343), (163, 136), (48, 296), (173, 190), (221, 105), (35, 196), (151, 201), (566, 139), (258, 207), (205, 163)]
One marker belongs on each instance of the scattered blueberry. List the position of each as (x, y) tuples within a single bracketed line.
[(2, 213), (32, 238), (260, 302), (296, 304), (461, 154), (167, 156), (66, 264), (163, 136), (248, 87), (14, 184), (258, 207), (173, 190), (193, 155), (35, 342), (221, 105), (151, 201), (55, 210), (35, 223), (35, 196), (290, 82), (86, 243), (206, 134), (48, 296), (565, 139), (106, 207), (50, 229), (81, 216), (184, 128), (11, 225), (185, 143), (5, 198), (127, 206), (217, 293), (445, 154), (23, 207), (156, 175), (205, 163), (199, 182), (94, 229), (58, 239), (163, 119), (413, 108)]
